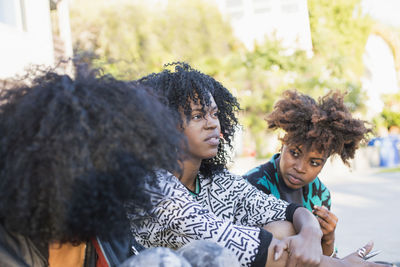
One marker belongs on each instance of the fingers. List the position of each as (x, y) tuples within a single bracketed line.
[(324, 225), (368, 247), (327, 219), (323, 212), (327, 228), (298, 256), (279, 248), (363, 251)]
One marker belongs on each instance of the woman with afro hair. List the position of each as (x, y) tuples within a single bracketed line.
[(314, 131), (73, 151), (205, 201)]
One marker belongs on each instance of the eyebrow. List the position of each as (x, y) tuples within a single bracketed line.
[(298, 148), (321, 159), (313, 158)]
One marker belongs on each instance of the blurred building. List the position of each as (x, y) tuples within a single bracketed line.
[(385, 11), (381, 76), (253, 20), (33, 33), (382, 53)]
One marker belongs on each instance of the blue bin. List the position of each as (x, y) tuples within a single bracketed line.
[(388, 150)]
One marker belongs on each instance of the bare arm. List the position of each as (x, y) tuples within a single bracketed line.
[(305, 221), (305, 247), (303, 238), (278, 250)]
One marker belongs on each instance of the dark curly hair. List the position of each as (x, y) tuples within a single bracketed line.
[(326, 125), (185, 84), (73, 151)]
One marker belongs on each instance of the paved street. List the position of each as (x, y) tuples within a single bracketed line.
[(365, 201), (367, 204)]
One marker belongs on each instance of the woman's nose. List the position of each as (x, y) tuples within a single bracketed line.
[(300, 166), (212, 122)]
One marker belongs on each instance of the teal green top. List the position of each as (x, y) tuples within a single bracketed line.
[(267, 178), (197, 189)]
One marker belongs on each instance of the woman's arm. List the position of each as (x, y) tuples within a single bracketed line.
[(305, 247), (278, 255), (176, 220)]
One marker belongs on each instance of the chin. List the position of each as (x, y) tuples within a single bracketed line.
[(210, 155)]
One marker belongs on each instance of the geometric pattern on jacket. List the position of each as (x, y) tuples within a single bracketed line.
[(228, 210)]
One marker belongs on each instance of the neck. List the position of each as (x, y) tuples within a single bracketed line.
[(190, 169)]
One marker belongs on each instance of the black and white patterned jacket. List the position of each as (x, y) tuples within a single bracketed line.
[(228, 210)]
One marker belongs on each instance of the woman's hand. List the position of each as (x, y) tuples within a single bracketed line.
[(327, 220), (304, 249), (355, 259)]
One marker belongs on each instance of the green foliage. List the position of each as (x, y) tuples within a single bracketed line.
[(339, 34), (130, 39), (391, 118), (390, 115)]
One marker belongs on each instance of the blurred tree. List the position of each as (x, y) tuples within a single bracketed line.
[(390, 115), (339, 33), (130, 39)]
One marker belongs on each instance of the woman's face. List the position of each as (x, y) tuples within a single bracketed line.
[(299, 166), (202, 131)]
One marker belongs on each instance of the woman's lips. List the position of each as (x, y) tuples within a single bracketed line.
[(213, 141), (294, 180)]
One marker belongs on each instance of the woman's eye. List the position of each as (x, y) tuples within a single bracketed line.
[(314, 163), (196, 117), (294, 153), (215, 114)]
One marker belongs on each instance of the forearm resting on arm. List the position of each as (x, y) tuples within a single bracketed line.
[(305, 221)]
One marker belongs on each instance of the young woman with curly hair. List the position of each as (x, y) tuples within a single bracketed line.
[(207, 202), (314, 131), (73, 151)]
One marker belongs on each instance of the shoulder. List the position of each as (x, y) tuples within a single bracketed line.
[(168, 187), (238, 184), (320, 191), (268, 168), (257, 171), (317, 184), (234, 178), (18, 250), (229, 175), (167, 180), (230, 182)]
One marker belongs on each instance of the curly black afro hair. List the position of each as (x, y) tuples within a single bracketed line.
[(184, 84), (326, 125), (74, 151)]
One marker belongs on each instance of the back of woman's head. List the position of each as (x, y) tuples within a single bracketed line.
[(74, 151), (182, 84), (326, 125)]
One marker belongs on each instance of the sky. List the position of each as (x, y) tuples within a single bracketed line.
[(385, 11)]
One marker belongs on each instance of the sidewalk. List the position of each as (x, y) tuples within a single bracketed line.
[(365, 201)]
